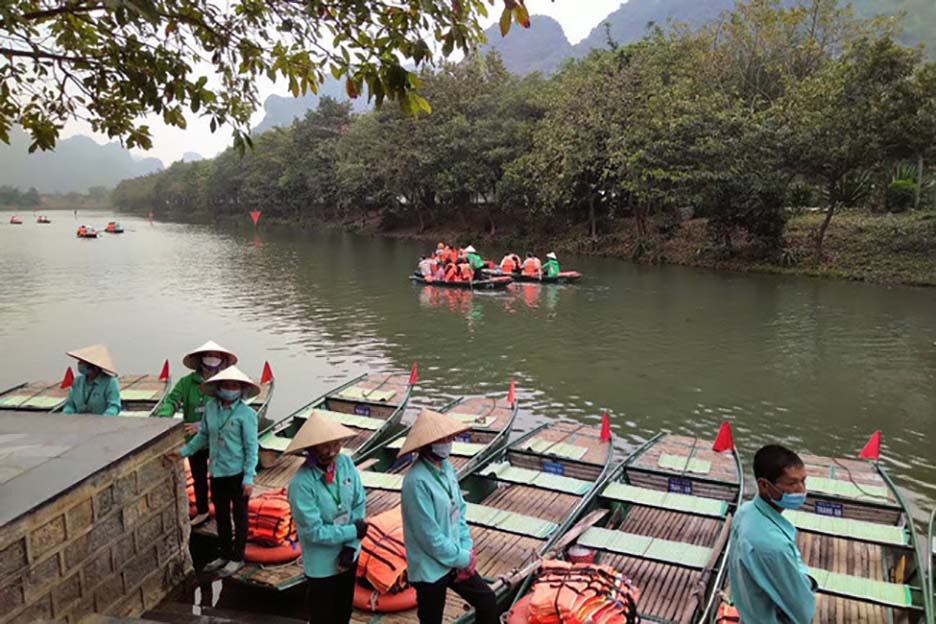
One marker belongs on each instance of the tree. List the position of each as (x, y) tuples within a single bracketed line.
[(112, 62)]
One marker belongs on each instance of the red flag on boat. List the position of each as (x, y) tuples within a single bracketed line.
[(255, 215), (164, 375), (414, 374), (511, 399), (605, 428), (68, 379), (724, 441), (267, 375), (872, 449)]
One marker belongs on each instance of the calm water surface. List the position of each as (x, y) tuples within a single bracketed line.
[(817, 365)]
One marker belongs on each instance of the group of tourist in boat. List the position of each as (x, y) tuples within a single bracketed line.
[(451, 264)]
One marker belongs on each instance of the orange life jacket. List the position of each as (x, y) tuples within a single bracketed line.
[(529, 266), (570, 593), (383, 554), (269, 519), (507, 264), (466, 273), (450, 255), (451, 273), (81, 231), (727, 614)]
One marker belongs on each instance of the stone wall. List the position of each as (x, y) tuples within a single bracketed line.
[(115, 544)]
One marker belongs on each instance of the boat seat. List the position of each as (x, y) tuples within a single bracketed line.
[(560, 449), (672, 501), (459, 449), (472, 419), (503, 471), (509, 521), (847, 489), (19, 400), (645, 547), (273, 442), (682, 463), (850, 529), (137, 395), (133, 414), (382, 480), (863, 589), (363, 394), (349, 420)]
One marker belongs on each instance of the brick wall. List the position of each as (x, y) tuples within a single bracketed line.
[(114, 545)]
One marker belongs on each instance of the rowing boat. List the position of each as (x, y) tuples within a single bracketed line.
[(565, 277), (492, 419), (520, 500), (667, 514), (140, 395), (492, 283), (34, 396)]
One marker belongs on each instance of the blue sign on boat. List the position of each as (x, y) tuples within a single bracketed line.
[(826, 508), (362, 410), (553, 468), (680, 486)]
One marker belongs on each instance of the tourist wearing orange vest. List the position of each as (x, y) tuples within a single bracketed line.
[(532, 266), (451, 272), (507, 264), (465, 271)]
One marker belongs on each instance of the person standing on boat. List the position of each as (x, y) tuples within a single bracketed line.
[(439, 549), (475, 262), (229, 431), (551, 268), (327, 499), (769, 582), (95, 390), (206, 361)]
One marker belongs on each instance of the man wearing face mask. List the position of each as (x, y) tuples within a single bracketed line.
[(229, 430), (769, 582), (95, 390), (326, 498), (439, 549), (206, 361)]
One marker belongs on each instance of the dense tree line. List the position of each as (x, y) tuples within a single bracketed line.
[(11, 196), (767, 109)]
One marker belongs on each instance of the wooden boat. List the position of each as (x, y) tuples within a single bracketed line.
[(16, 221), (520, 501), (86, 233), (34, 396), (493, 283), (140, 395), (114, 227), (668, 510), (492, 419), (43, 220), (565, 277), (371, 404), (259, 403)]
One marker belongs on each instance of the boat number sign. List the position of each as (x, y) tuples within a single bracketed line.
[(826, 508), (362, 410), (680, 486), (553, 468)]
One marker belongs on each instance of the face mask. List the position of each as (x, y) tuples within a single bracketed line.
[(228, 395), (788, 500), (85, 369), (211, 362), (441, 450)]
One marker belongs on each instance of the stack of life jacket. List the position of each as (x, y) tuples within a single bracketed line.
[(269, 519), (580, 593), (727, 614), (383, 555)]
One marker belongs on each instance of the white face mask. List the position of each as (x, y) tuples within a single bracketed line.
[(211, 361), (441, 449)]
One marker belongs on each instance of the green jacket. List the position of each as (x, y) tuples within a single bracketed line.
[(187, 394), (475, 261), (551, 268), (101, 396)]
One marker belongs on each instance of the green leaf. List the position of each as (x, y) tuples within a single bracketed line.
[(505, 20)]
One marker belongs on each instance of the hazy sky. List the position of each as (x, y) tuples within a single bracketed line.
[(577, 17)]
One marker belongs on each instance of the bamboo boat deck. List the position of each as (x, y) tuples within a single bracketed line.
[(499, 551), (34, 396), (669, 524), (141, 394)]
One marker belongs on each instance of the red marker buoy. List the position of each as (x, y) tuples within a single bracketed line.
[(68, 379), (724, 441), (267, 375), (872, 448), (605, 428)]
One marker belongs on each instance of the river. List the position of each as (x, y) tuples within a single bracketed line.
[(817, 365)]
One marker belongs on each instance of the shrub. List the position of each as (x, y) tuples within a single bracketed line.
[(800, 195), (900, 195)]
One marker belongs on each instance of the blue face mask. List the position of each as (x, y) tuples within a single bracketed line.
[(788, 500), (228, 395), (85, 369), (441, 450)]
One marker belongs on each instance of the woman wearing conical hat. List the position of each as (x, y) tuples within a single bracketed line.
[(206, 361), (229, 431), (439, 550), (326, 499), (95, 390)]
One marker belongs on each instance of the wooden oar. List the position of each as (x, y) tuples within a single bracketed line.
[(699, 592), (571, 535)]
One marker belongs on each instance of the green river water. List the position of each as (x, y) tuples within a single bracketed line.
[(816, 365)]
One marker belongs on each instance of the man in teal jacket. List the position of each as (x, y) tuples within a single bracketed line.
[(205, 362), (229, 431), (769, 582), (96, 389), (439, 549), (327, 499)]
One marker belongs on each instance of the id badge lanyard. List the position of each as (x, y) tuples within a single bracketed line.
[(342, 516), (453, 514)]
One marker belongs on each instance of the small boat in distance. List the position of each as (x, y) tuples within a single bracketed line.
[(493, 283), (14, 220), (113, 227), (565, 277), (86, 232), (43, 219)]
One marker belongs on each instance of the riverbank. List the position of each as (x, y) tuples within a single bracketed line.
[(880, 249)]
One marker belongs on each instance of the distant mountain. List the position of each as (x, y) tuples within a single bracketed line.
[(281, 111), (542, 47), (77, 164), (192, 157)]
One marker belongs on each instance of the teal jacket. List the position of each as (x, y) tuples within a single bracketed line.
[(434, 527), (769, 583), (101, 396), (231, 437), (187, 394), (551, 268), (313, 507), (475, 261)]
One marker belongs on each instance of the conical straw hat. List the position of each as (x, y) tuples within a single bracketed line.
[(318, 429), (431, 427), (193, 360), (98, 355), (231, 373)]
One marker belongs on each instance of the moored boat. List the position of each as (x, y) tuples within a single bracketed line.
[(14, 220), (36, 396), (565, 277), (86, 232), (43, 219), (113, 227), (492, 283)]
